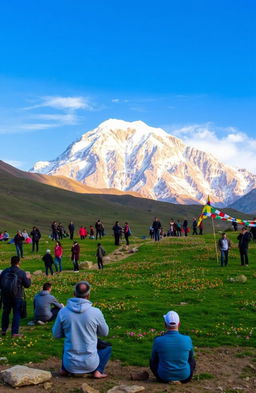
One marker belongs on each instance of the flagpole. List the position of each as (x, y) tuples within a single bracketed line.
[(216, 248)]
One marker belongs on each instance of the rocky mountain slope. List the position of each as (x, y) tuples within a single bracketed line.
[(131, 156), (247, 203)]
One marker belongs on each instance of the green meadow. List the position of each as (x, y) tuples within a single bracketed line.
[(176, 273)]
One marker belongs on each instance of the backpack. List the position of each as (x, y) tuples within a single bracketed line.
[(9, 284)]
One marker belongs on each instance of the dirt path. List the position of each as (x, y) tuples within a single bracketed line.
[(219, 370)]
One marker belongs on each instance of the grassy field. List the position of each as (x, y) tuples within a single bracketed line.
[(177, 273)]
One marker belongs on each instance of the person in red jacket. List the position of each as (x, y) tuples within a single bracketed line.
[(82, 233), (75, 254), (58, 252)]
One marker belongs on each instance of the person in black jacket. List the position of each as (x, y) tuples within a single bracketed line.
[(156, 227), (18, 241), (13, 280), (244, 237), (71, 229), (99, 229), (48, 262), (117, 229), (36, 236)]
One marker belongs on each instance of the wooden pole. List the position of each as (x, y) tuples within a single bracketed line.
[(216, 248)]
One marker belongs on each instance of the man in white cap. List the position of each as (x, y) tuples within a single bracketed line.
[(172, 354)]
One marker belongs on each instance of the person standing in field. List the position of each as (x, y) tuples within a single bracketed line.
[(194, 226), (35, 236), (75, 256), (100, 253), (13, 280), (82, 233), (99, 229), (185, 227), (18, 241), (71, 229), (117, 229), (156, 227), (243, 243), (54, 228), (48, 262), (224, 245), (58, 252), (127, 233), (201, 228)]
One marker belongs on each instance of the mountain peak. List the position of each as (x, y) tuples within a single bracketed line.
[(132, 156)]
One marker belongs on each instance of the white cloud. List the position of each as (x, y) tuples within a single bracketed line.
[(66, 103), (229, 145), (15, 163)]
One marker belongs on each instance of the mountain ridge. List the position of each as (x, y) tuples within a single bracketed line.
[(132, 156)]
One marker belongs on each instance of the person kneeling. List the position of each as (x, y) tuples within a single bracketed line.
[(172, 356), (80, 323), (43, 302)]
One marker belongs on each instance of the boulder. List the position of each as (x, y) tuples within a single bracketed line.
[(133, 250), (85, 265), (37, 273), (22, 376), (126, 389), (85, 388), (118, 253), (106, 259)]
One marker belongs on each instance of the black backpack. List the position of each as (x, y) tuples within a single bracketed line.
[(9, 283)]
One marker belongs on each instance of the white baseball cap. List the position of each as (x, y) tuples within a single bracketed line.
[(172, 319)]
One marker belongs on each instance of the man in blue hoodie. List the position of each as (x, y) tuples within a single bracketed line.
[(80, 324), (172, 354)]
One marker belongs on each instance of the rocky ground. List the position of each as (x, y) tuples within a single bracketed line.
[(219, 370)]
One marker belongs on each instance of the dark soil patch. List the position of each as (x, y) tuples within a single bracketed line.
[(219, 370)]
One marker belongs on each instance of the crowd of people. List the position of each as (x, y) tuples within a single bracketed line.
[(176, 228), (81, 324)]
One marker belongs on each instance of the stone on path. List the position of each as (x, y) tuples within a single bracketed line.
[(85, 265), (22, 376), (85, 388), (118, 253), (37, 273), (106, 259), (126, 389), (133, 250)]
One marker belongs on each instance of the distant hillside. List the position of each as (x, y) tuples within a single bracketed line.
[(26, 202), (62, 182), (246, 204)]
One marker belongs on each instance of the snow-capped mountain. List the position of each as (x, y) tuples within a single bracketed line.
[(133, 156)]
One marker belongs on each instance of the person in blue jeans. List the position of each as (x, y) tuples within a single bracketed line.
[(224, 245), (13, 280), (172, 357), (80, 324)]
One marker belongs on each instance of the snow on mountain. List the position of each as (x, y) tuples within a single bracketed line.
[(136, 157)]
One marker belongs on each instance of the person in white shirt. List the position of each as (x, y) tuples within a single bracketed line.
[(224, 247)]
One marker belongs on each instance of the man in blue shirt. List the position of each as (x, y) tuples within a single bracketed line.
[(172, 354)]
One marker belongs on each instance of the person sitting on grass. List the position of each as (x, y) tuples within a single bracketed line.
[(48, 262), (43, 302), (79, 323), (172, 354)]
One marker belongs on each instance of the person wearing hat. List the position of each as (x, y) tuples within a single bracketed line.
[(172, 357), (48, 262), (80, 324)]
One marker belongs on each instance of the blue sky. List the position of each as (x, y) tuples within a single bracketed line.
[(187, 66)]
